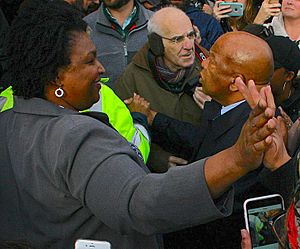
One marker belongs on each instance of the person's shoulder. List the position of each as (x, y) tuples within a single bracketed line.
[(195, 13), (91, 18), (145, 12), (79, 122)]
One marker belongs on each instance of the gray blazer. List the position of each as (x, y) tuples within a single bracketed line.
[(66, 176)]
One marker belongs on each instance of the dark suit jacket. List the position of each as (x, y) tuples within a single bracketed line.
[(216, 133)]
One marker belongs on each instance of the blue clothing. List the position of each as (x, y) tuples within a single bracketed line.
[(210, 28)]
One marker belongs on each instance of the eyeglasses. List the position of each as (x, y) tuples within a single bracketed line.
[(180, 38)]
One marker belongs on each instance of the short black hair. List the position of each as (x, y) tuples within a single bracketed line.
[(39, 45)]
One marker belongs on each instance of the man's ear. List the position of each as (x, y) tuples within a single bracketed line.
[(232, 86)]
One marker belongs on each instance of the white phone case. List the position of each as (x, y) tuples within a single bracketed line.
[(91, 244)]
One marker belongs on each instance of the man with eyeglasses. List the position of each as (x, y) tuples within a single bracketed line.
[(165, 72)]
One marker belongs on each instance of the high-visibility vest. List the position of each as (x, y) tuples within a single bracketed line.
[(6, 99), (121, 119), (118, 113)]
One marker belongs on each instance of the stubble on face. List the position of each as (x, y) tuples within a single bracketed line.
[(115, 4)]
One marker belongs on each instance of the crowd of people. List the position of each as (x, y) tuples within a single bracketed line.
[(147, 123)]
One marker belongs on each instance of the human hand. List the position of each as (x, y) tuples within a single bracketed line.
[(266, 11), (175, 161), (246, 239), (138, 104), (207, 9), (200, 97), (251, 95), (198, 37), (276, 154), (286, 124), (221, 11), (256, 134), (294, 137)]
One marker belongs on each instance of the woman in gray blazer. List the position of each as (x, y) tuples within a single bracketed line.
[(67, 175)]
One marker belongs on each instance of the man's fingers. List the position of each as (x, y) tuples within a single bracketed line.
[(246, 240), (263, 135), (177, 160), (262, 145), (269, 97), (258, 117), (245, 91), (128, 101)]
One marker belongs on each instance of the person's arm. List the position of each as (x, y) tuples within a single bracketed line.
[(179, 137), (213, 32), (104, 173), (266, 11)]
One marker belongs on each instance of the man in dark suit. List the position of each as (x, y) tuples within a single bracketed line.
[(234, 55)]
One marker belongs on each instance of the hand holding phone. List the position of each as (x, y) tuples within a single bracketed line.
[(268, 9), (91, 244), (227, 9), (259, 214), (236, 9)]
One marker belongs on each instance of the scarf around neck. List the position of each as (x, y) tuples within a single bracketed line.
[(171, 81)]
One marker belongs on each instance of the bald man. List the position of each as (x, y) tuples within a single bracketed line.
[(164, 72), (234, 55)]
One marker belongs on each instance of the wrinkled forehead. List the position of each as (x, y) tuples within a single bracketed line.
[(170, 26)]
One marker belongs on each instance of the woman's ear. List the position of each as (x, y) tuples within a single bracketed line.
[(289, 75)]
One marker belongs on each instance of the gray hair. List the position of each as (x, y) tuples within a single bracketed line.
[(153, 25)]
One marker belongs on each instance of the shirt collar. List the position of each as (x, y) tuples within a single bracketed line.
[(230, 107), (127, 20)]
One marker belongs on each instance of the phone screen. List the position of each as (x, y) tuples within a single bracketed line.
[(260, 213), (91, 244)]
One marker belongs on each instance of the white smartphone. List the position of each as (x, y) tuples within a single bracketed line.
[(237, 9), (258, 213), (91, 244)]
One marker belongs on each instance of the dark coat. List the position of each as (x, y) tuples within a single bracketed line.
[(216, 133), (210, 28)]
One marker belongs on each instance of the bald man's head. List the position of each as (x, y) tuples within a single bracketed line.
[(165, 19), (236, 54)]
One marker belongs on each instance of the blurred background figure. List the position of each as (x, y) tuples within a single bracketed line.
[(254, 12), (119, 30), (286, 54), (287, 23)]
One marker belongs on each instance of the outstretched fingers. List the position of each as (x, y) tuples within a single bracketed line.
[(249, 92)]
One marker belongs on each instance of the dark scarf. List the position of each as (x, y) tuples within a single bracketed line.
[(171, 81)]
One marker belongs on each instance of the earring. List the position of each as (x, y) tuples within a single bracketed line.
[(284, 85), (59, 92)]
